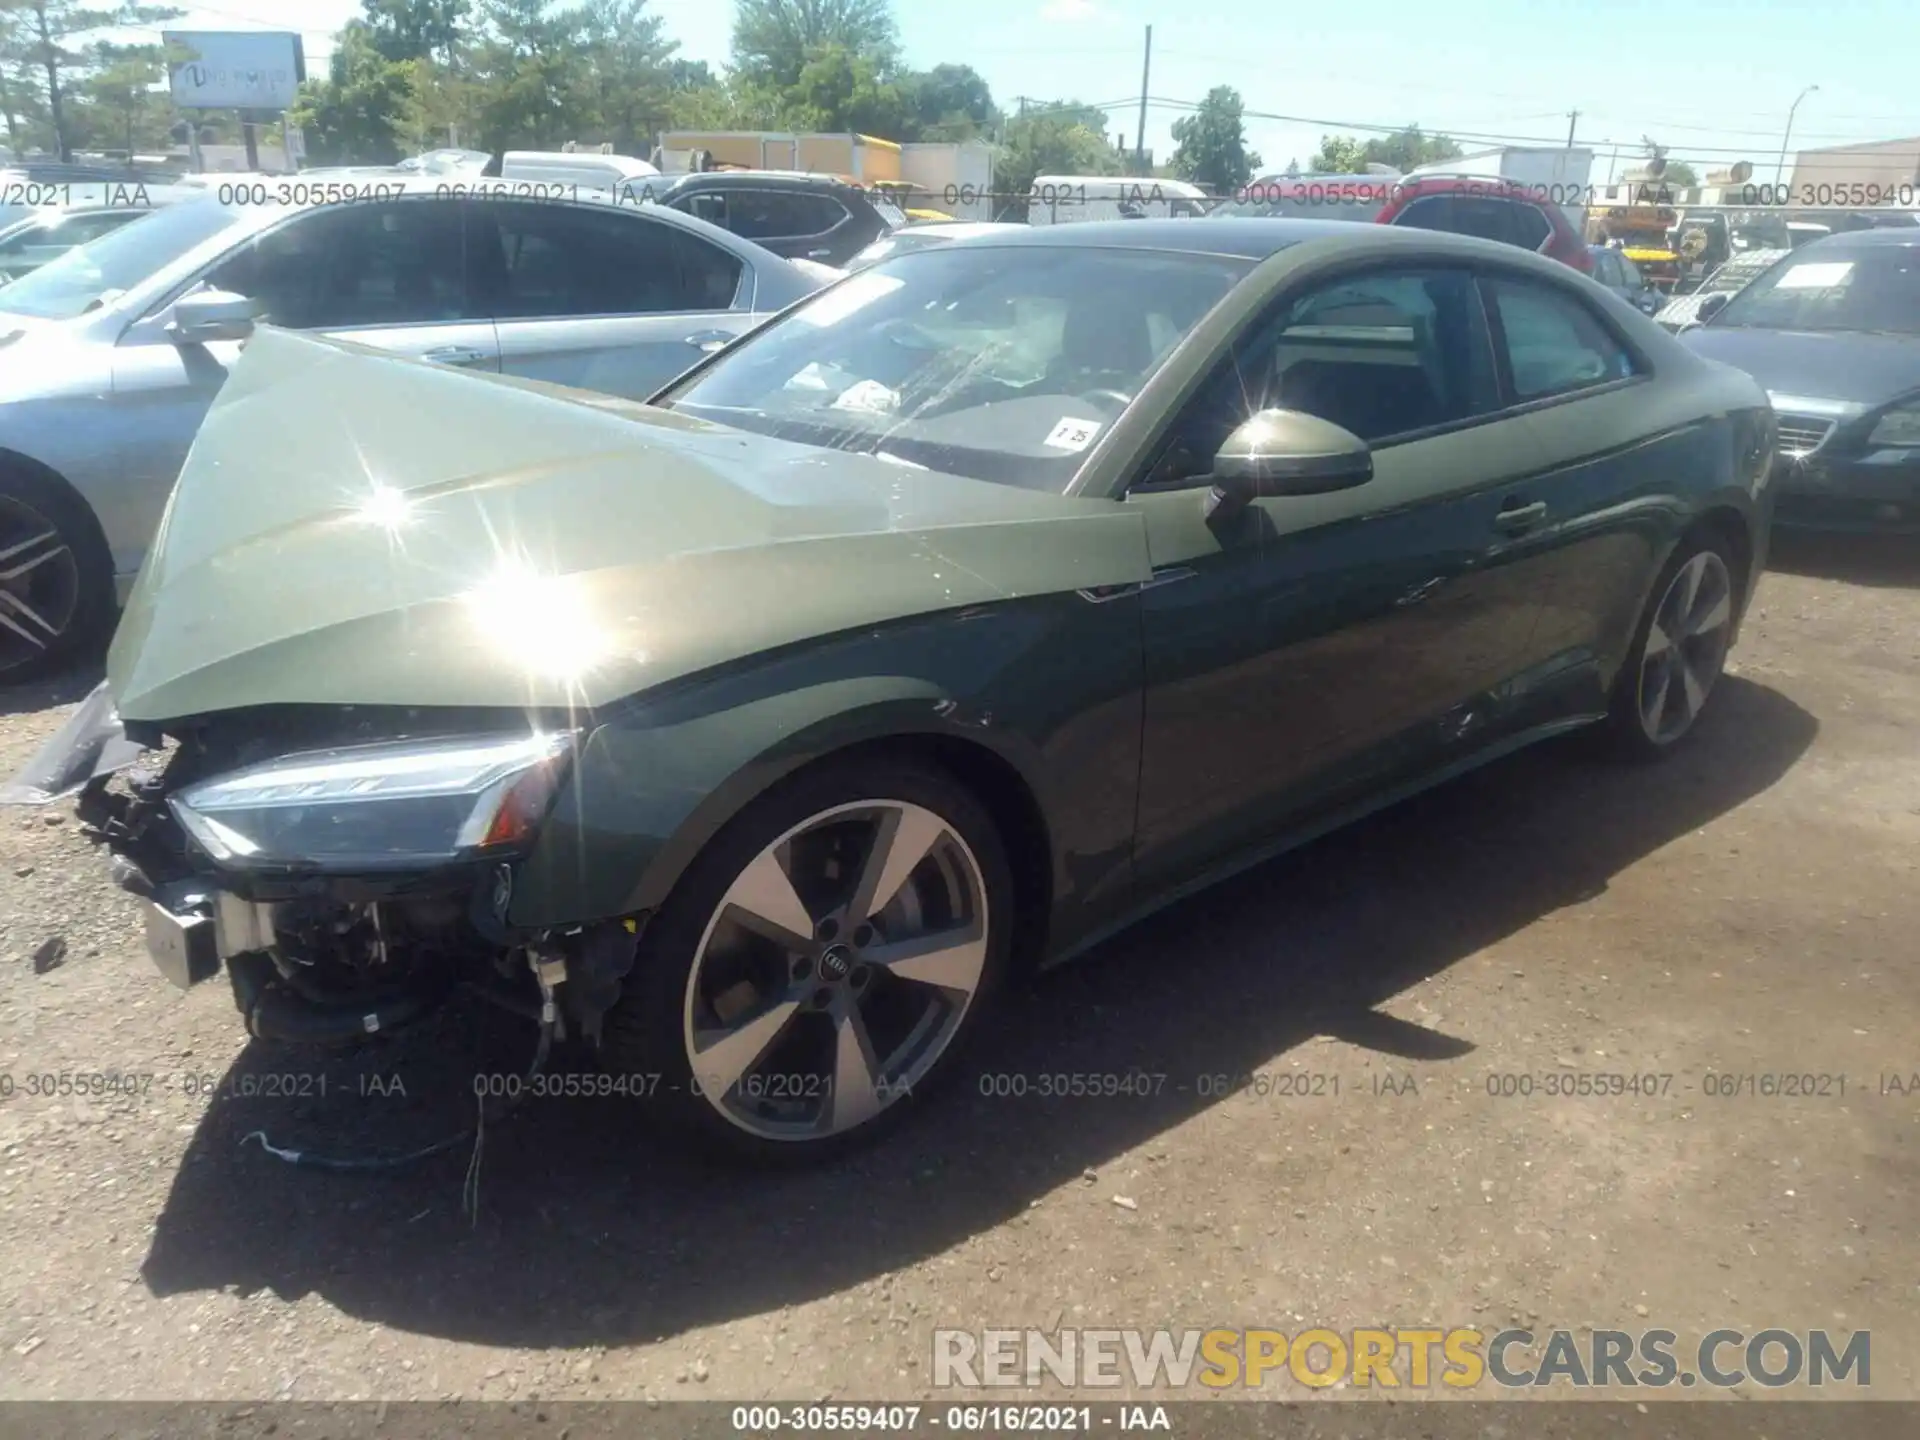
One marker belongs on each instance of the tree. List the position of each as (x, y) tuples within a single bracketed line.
[(1055, 140), (1674, 173), (439, 106), (1210, 145), (840, 90), (49, 29), (773, 40), (948, 102), (121, 108), (627, 85), (531, 72), (19, 95), (417, 29), (354, 115), (1404, 150)]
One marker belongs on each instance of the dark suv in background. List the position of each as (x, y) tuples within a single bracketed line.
[(798, 217), (1486, 206)]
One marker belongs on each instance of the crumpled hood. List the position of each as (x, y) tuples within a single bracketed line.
[(355, 528)]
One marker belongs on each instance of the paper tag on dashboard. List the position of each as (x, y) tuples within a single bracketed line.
[(870, 396), (1071, 434)]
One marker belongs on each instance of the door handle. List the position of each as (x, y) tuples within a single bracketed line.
[(709, 340), (455, 355), (818, 254), (1521, 517)]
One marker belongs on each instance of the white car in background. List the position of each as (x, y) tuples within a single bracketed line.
[(924, 236), (46, 234)]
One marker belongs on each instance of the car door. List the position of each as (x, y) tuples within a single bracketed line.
[(389, 274), (1614, 473), (607, 298), (1320, 648)]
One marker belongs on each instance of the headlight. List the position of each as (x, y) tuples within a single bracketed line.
[(1898, 427), (386, 806)]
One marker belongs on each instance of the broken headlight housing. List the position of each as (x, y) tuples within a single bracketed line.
[(397, 805)]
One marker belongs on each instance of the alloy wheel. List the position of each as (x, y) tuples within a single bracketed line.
[(836, 970), (39, 584), (1686, 647)]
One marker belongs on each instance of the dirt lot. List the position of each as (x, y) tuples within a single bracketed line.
[(1750, 907)]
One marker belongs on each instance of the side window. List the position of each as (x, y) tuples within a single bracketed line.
[(708, 205), (1606, 268), (826, 213), (335, 267), (1553, 343), (1434, 212), (1630, 275), (1386, 354), (1527, 226), (1488, 218), (547, 261), (772, 214), (1383, 355), (73, 230)]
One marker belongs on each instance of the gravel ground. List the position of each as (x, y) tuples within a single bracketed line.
[(1749, 907)]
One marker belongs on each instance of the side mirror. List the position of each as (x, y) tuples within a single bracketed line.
[(212, 315), (1712, 305), (1286, 452), (1650, 301)]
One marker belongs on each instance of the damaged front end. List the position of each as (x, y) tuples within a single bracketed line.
[(349, 868)]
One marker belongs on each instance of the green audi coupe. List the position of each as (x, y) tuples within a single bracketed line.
[(969, 609)]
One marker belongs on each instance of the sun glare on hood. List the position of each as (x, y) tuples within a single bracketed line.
[(539, 622), (385, 507)]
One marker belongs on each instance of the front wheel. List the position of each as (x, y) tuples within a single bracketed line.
[(1678, 653), (819, 967), (56, 578)]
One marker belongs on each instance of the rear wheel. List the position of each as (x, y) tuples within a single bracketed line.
[(1679, 651), (56, 577), (818, 969)]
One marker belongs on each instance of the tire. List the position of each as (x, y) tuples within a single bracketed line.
[(709, 984), (1648, 717), (56, 577)]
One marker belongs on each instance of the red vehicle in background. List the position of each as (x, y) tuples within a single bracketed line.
[(1509, 211)]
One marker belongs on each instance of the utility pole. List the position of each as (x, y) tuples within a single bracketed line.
[(1780, 175), (1573, 117), (1140, 135)]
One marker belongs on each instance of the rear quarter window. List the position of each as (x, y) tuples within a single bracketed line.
[(1553, 344)]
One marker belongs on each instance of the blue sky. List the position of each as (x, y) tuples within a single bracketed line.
[(1711, 79)]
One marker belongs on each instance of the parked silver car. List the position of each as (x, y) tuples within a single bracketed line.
[(111, 353), (49, 232)]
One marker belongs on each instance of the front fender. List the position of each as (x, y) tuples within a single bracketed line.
[(1050, 686)]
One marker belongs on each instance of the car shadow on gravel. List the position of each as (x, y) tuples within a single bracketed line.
[(69, 687), (1867, 559), (586, 1234)]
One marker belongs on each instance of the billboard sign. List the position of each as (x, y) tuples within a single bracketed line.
[(234, 69)]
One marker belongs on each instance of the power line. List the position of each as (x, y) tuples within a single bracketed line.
[(1480, 137)]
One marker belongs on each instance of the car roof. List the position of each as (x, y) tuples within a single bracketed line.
[(1257, 238), (794, 178), (1251, 237)]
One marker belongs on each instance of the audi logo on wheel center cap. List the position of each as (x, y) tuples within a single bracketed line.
[(836, 963)]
